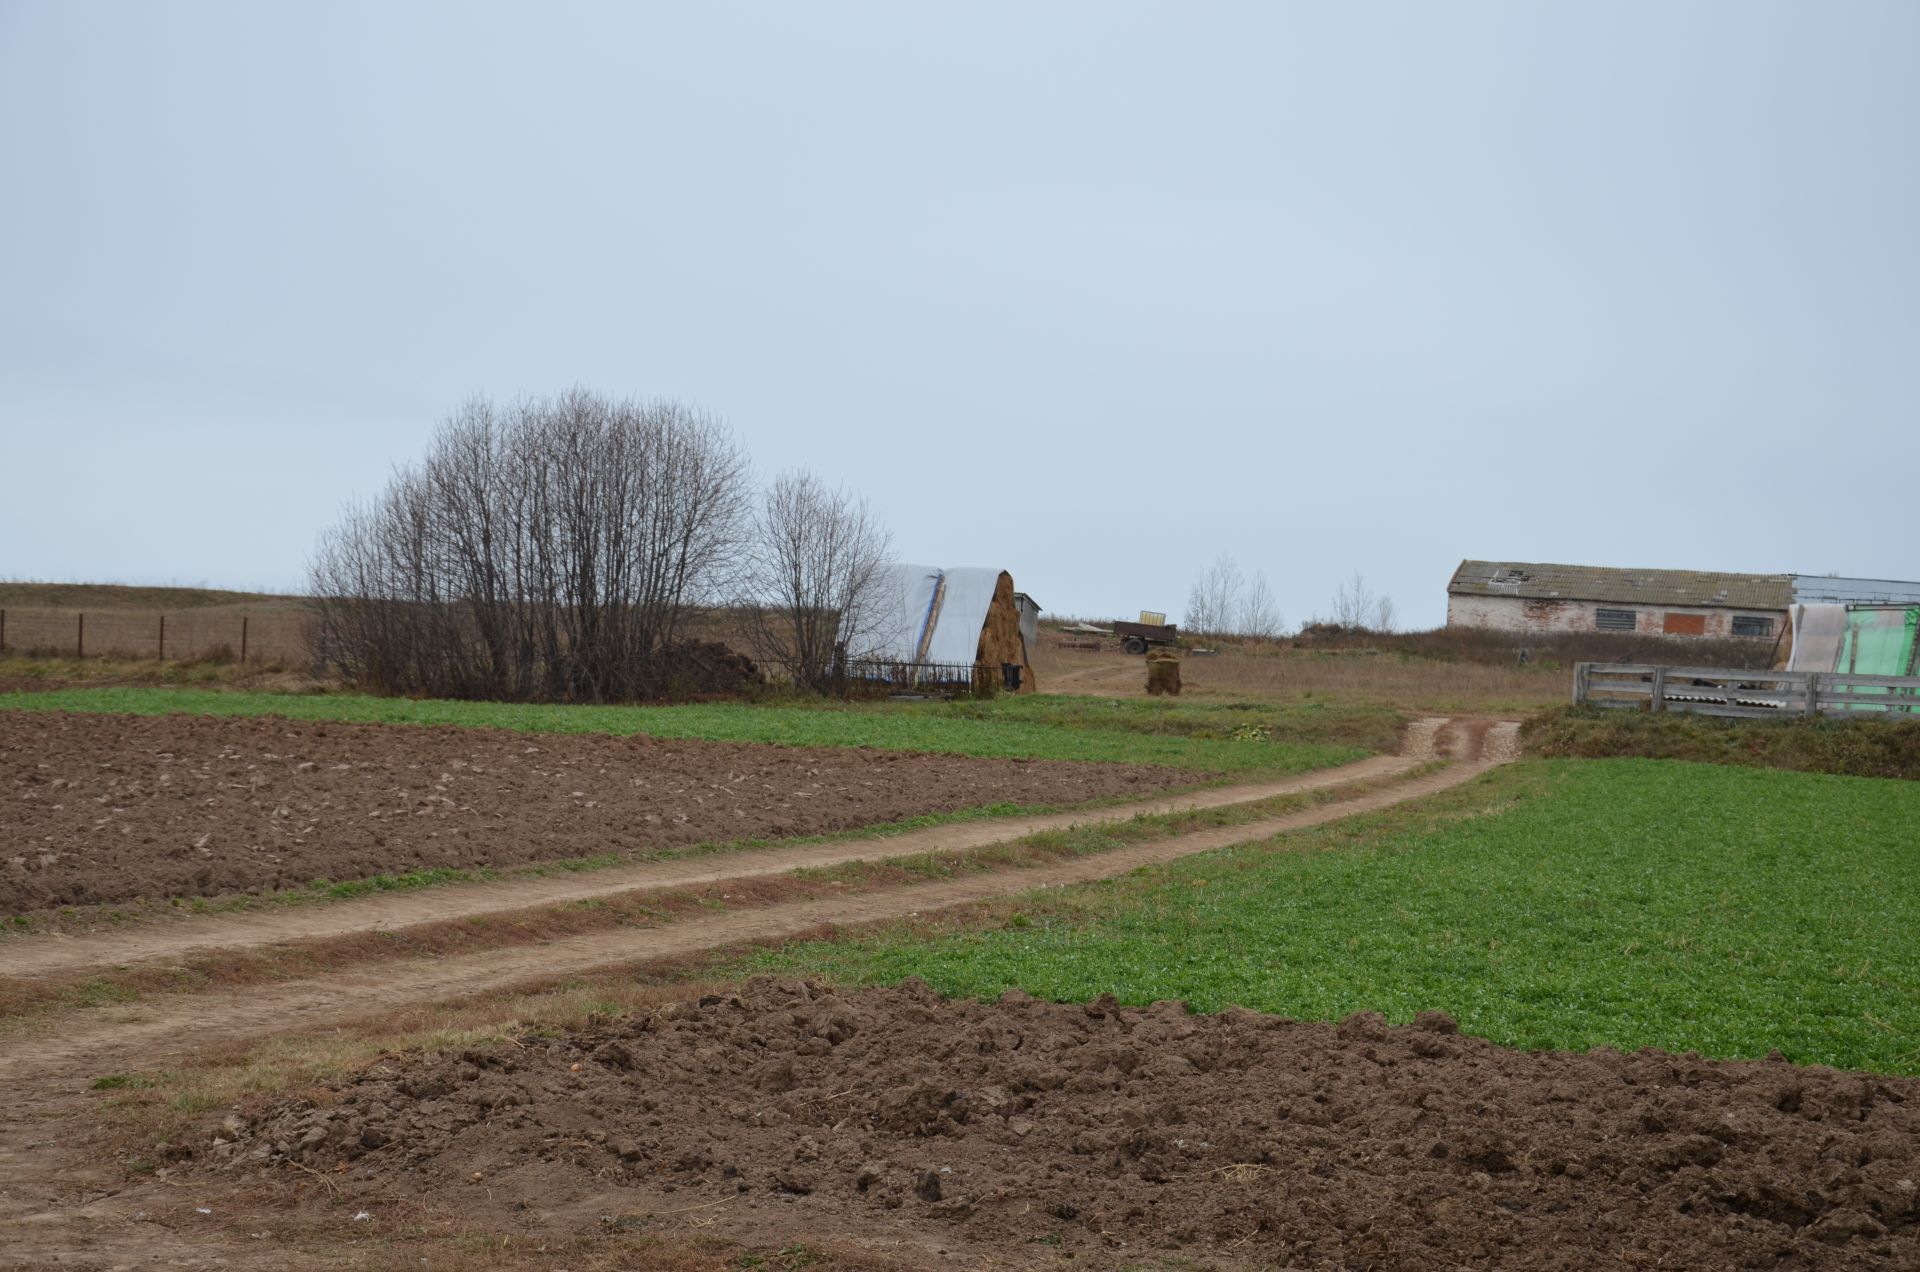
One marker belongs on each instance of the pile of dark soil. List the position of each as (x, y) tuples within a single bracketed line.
[(709, 669), (107, 809), (1020, 1131)]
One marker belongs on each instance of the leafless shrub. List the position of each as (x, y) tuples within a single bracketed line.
[(815, 560), (1210, 603), (1224, 601), (1258, 614), (1355, 605), (549, 550)]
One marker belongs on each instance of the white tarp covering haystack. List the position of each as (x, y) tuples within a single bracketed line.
[(966, 596), (896, 625), (940, 623)]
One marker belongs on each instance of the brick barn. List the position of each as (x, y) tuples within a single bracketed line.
[(1522, 596)]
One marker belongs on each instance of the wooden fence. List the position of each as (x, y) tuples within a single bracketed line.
[(215, 633), (1723, 691)]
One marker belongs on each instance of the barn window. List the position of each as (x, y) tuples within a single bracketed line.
[(1615, 620), (1745, 626)]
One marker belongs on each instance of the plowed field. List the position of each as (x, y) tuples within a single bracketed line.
[(109, 809), (1019, 1132)]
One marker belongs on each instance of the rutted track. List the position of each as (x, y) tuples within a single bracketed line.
[(38, 956), (107, 1035)]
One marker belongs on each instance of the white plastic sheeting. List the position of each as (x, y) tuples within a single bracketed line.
[(965, 599), (1817, 633), (897, 622), (923, 614)]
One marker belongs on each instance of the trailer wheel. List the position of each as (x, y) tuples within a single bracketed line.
[(1134, 644)]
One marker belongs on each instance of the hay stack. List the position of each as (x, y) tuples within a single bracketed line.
[(1163, 672), (1000, 638)]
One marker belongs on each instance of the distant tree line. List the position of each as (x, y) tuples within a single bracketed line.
[(1227, 601), (555, 548)]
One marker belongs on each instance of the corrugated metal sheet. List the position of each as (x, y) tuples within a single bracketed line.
[(1815, 589), (1542, 581), (1029, 620)]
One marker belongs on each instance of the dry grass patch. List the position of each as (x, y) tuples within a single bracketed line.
[(1278, 674), (22, 674)]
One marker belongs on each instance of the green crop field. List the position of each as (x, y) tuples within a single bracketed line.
[(1551, 904), (1272, 739)]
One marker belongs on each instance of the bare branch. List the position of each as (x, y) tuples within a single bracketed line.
[(811, 580)]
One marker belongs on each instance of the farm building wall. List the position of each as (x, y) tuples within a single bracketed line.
[(1518, 614)]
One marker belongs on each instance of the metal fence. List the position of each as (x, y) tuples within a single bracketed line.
[(1723, 691), (856, 677), (217, 634)]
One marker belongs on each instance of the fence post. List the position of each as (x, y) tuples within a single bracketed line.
[(1580, 671), (1813, 694), (162, 655), (80, 638), (243, 640), (1656, 700)]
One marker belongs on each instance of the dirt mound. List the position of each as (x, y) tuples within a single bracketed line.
[(106, 809), (1022, 1130), (706, 669)]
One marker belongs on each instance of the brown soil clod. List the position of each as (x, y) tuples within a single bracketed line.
[(1238, 1139)]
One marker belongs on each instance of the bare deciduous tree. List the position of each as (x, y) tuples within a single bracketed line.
[(1214, 597), (1258, 614), (1225, 601), (817, 555), (547, 550), (1358, 606)]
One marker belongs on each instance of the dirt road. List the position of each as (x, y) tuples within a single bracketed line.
[(175, 940), (58, 1195), (112, 1036)]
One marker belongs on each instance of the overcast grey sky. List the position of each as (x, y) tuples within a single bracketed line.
[(1091, 291)]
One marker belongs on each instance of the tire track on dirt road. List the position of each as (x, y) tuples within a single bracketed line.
[(148, 1032), (42, 955)]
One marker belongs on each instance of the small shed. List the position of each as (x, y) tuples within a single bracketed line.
[(1029, 619)]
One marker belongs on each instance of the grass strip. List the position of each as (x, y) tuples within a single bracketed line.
[(1267, 739), (1862, 745), (1551, 905)]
